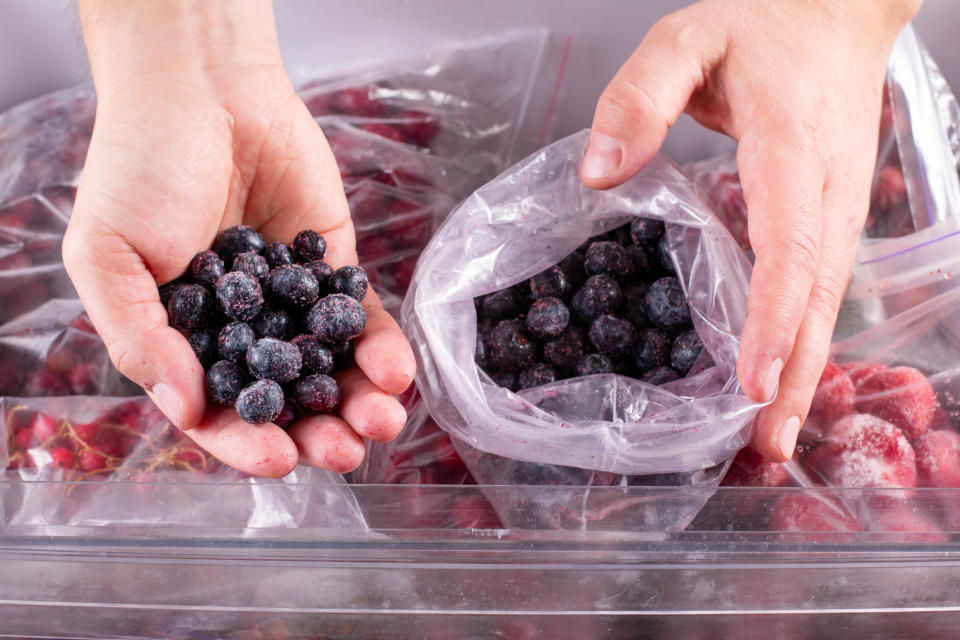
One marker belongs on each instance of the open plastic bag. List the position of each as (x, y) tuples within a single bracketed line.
[(528, 219)]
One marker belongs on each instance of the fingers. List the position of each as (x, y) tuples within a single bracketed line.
[(328, 442), (646, 97), (258, 449), (783, 187), (373, 413), (382, 351), (121, 297)]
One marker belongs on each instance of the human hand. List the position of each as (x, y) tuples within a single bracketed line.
[(798, 85), (198, 129)]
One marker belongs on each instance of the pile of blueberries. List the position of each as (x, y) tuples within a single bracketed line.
[(271, 330), (612, 306)]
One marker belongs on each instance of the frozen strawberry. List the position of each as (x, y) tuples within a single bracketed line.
[(796, 512), (865, 451), (938, 459), (834, 397), (902, 518), (750, 469), (901, 396)]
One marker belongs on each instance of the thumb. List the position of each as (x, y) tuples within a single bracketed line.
[(646, 97), (121, 298)]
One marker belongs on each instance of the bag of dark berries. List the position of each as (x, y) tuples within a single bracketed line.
[(572, 336)]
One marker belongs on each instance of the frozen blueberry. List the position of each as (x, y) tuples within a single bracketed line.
[(278, 254), (634, 304), (663, 255), (317, 358), (660, 375), (600, 295), (239, 295), (501, 305), (225, 380), (317, 393), (653, 349), (167, 290), (322, 272), (565, 351), (234, 340), (260, 402), (612, 336), (646, 231), (535, 376), (686, 350), (572, 266), (236, 240), (274, 359), (337, 318), (551, 283), (505, 379), (547, 318), (309, 246), (342, 354), (190, 307), (288, 415), (254, 264), (511, 347), (621, 235), (594, 363), (272, 322), (204, 345), (609, 258), (292, 287), (206, 268), (644, 262), (349, 280), (666, 305)]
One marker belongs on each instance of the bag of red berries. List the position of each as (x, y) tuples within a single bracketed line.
[(583, 330)]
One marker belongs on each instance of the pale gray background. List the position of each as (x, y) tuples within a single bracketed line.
[(40, 48)]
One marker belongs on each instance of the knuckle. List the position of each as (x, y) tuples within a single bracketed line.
[(679, 31)]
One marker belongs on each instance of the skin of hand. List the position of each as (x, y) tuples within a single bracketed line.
[(198, 129), (798, 84)]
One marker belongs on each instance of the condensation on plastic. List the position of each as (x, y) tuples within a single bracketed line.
[(528, 219)]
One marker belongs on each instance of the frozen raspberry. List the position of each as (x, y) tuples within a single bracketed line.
[(609, 258), (505, 379), (234, 340), (337, 319), (664, 257), (547, 318), (660, 375), (834, 397), (600, 295), (278, 254), (686, 349), (322, 272), (190, 307), (565, 351), (750, 469), (535, 376), (594, 363), (239, 295), (274, 359), (309, 246), (236, 240), (551, 283), (501, 305), (260, 402), (62, 458), (858, 371), (938, 459), (511, 347), (419, 128), (317, 358), (803, 512), (206, 268), (292, 287), (225, 380), (901, 396), (349, 280), (317, 393), (652, 350), (612, 336), (204, 345), (272, 322), (646, 231), (254, 264), (288, 415), (865, 451), (359, 101), (666, 306)]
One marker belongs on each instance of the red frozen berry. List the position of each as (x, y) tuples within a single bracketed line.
[(359, 101), (865, 451), (419, 128), (86, 432), (447, 455), (938, 459), (889, 187), (859, 371), (384, 131), (901, 396), (91, 460), (23, 438), (834, 397), (44, 427), (62, 458), (806, 512), (750, 469), (902, 518)]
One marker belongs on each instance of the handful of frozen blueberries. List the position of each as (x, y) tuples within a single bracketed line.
[(270, 330), (612, 306)]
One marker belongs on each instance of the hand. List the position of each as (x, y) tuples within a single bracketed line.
[(198, 129), (798, 85)]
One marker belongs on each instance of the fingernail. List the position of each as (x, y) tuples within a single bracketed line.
[(770, 380), (167, 401), (787, 438), (602, 158)]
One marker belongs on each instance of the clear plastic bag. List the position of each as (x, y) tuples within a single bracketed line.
[(528, 219)]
